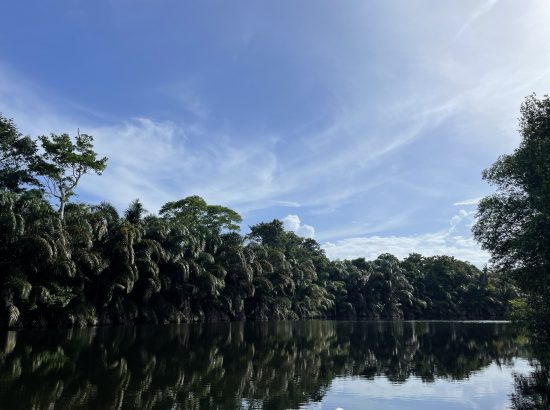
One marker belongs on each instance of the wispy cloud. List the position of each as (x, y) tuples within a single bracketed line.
[(473, 201), (364, 228), (483, 9), (159, 161), (290, 204), (373, 121), (187, 97)]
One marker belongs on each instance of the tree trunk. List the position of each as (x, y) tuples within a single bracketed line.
[(62, 202)]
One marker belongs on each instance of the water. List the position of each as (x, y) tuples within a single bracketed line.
[(271, 365)]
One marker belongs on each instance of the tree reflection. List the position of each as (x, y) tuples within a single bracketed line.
[(532, 391), (272, 365)]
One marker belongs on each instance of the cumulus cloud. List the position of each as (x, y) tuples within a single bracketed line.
[(293, 223), (431, 244), (454, 241)]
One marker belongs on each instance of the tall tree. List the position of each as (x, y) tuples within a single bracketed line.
[(194, 211), (17, 156), (514, 223), (64, 162)]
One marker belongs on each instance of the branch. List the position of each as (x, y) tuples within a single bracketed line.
[(76, 179), (52, 189)]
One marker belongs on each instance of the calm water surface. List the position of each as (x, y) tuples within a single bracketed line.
[(271, 365)]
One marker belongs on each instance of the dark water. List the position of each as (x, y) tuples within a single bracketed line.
[(271, 365)]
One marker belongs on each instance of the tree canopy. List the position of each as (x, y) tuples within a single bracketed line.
[(17, 157), (194, 211), (514, 222), (64, 162)]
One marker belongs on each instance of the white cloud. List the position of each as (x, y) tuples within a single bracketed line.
[(163, 161), (293, 223), (431, 244), (485, 8), (422, 81), (289, 204), (473, 201), (373, 226), (457, 219), (158, 161), (444, 242)]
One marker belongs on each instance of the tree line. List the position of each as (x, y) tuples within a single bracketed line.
[(66, 263)]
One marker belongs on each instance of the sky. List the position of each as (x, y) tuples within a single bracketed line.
[(362, 124)]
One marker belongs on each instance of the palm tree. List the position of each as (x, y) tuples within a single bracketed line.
[(36, 259)]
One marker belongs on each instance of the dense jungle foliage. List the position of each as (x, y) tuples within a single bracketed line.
[(82, 264), (254, 365), (514, 223)]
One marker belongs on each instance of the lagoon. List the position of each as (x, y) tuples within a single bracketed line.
[(314, 364)]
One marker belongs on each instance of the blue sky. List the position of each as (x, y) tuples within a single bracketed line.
[(365, 124)]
